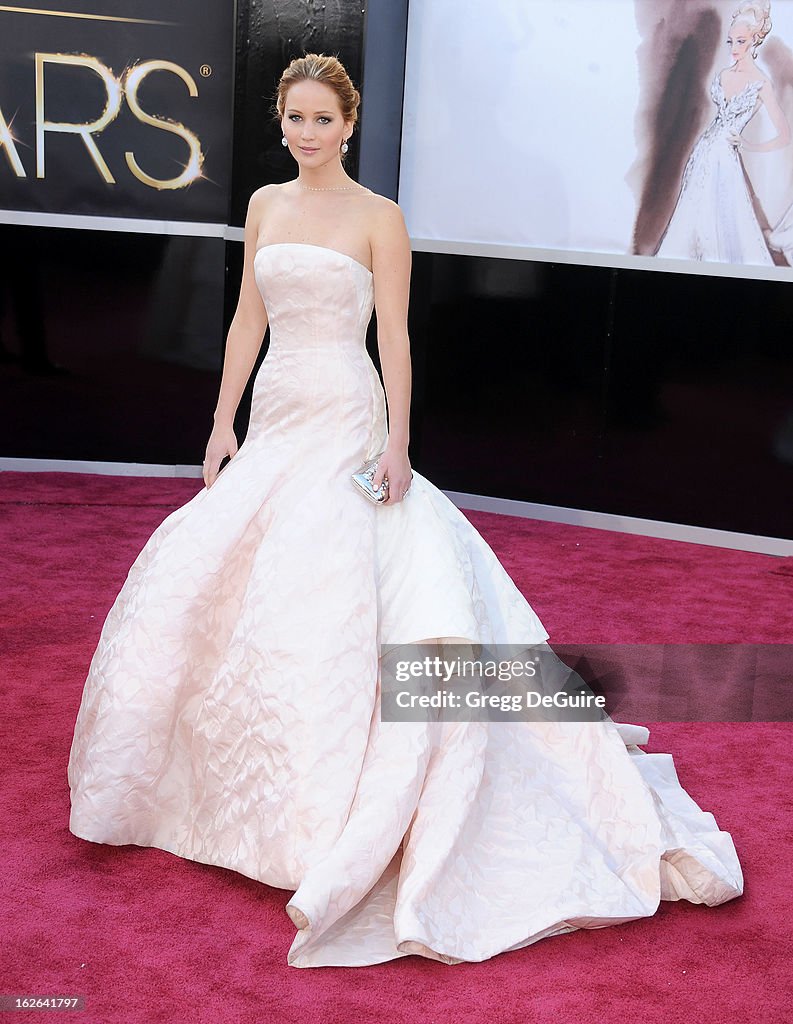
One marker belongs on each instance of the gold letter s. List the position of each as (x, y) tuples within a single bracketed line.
[(196, 159)]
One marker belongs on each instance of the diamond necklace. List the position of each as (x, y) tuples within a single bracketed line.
[(336, 188)]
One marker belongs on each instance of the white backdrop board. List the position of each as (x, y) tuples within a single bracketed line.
[(560, 130)]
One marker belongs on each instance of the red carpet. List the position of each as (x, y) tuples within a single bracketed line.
[(148, 937)]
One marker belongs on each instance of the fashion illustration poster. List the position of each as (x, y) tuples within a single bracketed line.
[(648, 128)]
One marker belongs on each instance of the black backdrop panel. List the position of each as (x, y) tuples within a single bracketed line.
[(662, 396), (110, 344)]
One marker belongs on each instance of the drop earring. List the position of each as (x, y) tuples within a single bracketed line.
[(344, 147), (283, 141)]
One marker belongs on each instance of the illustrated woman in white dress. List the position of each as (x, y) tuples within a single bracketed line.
[(714, 217), (232, 710)]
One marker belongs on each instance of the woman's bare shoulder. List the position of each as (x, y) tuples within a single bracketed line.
[(382, 200), (382, 213), (385, 210), (265, 192), (386, 225), (757, 77)]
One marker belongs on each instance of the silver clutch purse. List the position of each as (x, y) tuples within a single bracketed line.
[(362, 479)]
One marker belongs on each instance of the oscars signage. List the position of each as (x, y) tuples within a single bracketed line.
[(109, 108)]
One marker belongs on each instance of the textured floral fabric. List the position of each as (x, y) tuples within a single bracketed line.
[(231, 713), (714, 218)]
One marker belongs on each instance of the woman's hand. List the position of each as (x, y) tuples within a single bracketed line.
[(222, 442), (737, 141), (395, 465)]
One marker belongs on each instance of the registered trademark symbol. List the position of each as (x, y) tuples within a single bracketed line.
[(206, 70)]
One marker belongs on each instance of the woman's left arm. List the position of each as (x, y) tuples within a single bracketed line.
[(780, 122), (391, 264)]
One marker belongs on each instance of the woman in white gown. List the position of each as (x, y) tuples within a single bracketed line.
[(231, 713), (714, 217)]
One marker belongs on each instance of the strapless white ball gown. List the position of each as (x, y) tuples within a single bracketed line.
[(231, 710)]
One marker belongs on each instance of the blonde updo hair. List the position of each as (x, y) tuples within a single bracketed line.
[(325, 68), (757, 15)]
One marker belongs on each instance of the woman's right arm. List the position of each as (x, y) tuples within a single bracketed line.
[(243, 342), (778, 119)]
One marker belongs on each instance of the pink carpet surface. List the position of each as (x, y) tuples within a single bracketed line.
[(145, 936)]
